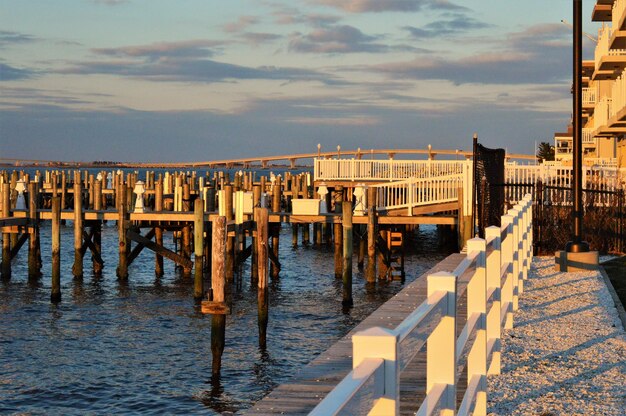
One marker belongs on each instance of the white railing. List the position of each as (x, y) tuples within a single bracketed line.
[(415, 192), (590, 95), (602, 48), (379, 170), (588, 136), (493, 274)]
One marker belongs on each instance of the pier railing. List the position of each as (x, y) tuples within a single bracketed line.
[(492, 274), (415, 192), (385, 170)]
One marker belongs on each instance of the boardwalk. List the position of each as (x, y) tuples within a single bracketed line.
[(316, 379)]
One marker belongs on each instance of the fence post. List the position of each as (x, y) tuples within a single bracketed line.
[(441, 344), (517, 284), (477, 305), (494, 279), (380, 343), (507, 260)]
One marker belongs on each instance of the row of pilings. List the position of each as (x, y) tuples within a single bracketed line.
[(217, 225)]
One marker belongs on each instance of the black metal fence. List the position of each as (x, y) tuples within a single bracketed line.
[(604, 217)]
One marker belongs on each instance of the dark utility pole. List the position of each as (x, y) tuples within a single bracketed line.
[(577, 245)]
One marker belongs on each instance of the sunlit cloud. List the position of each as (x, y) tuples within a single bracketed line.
[(457, 26), (376, 6), (241, 24), (515, 61)]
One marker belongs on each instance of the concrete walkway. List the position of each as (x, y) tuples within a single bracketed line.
[(566, 354)]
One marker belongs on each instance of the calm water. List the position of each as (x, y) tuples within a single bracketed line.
[(142, 347)]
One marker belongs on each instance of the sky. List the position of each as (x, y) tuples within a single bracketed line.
[(201, 80)]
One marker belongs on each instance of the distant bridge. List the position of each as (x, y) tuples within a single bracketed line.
[(262, 161)]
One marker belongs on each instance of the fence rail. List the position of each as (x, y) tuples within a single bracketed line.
[(494, 272)]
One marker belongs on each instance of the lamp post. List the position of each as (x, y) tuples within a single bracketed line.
[(577, 245)]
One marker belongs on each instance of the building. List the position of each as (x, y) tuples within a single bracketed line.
[(604, 85)]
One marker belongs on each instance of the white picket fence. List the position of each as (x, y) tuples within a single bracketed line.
[(493, 274)]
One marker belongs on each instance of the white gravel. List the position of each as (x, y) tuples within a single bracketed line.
[(566, 354)]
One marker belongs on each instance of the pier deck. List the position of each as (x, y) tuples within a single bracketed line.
[(320, 376)]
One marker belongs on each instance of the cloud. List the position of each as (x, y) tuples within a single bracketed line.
[(10, 38), (292, 16), (162, 50), (335, 39), (539, 55), (9, 73), (241, 24), (375, 6), (258, 38), (110, 2), (456, 26), (185, 62)]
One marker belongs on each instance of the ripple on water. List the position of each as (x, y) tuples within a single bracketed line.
[(142, 347)]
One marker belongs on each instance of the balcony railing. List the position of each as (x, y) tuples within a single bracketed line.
[(602, 49), (602, 112), (588, 136), (590, 95)]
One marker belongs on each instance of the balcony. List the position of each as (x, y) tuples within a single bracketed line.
[(618, 37), (602, 11), (590, 97), (609, 62)]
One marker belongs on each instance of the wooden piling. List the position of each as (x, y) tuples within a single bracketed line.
[(218, 285), (361, 231), (158, 230), (34, 267), (230, 240), (198, 232), (6, 237), (338, 234), (122, 267), (187, 228), (77, 268), (372, 232), (346, 224), (55, 295), (261, 218), (276, 198), (256, 202)]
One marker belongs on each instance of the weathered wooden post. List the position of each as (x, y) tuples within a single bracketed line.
[(186, 228), (276, 198), (97, 228), (347, 253), (261, 218), (338, 233), (198, 232), (218, 285), (230, 241), (372, 232), (77, 268), (34, 268), (6, 237), (158, 230), (55, 296), (122, 267), (256, 202)]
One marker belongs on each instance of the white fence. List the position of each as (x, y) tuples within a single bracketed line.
[(379, 170), (415, 192), (492, 274)]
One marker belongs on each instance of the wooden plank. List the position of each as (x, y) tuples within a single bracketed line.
[(214, 308), (18, 245), (139, 248), (159, 249)]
